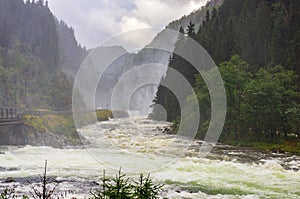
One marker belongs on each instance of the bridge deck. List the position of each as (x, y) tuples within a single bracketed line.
[(9, 115), (10, 123)]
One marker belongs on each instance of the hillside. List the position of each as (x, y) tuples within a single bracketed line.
[(256, 46), (35, 50), (197, 17)]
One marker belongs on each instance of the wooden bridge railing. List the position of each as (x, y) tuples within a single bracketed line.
[(44, 112), (9, 114)]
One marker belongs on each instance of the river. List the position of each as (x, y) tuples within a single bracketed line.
[(136, 145)]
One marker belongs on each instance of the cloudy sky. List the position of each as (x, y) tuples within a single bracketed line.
[(96, 20)]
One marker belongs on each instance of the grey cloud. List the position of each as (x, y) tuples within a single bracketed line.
[(96, 20)]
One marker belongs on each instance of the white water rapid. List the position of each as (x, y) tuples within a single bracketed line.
[(138, 145)]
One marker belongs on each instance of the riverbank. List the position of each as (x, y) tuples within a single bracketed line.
[(56, 131), (52, 130), (283, 146), (279, 145)]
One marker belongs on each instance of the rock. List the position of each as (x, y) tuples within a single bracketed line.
[(13, 169), (281, 151), (10, 180), (167, 131), (1, 153), (158, 129), (95, 183), (277, 151)]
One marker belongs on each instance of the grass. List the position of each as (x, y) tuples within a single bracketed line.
[(289, 145), (58, 124)]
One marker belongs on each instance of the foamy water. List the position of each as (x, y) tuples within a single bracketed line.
[(137, 146)]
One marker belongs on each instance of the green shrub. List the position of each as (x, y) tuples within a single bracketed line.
[(121, 187), (145, 189), (104, 114), (10, 194)]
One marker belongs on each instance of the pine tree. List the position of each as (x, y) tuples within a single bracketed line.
[(294, 35), (191, 30), (263, 30), (207, 16)]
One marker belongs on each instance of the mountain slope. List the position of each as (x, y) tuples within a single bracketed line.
[(71, 53), (32, 56), (142, 99), (256, 45)]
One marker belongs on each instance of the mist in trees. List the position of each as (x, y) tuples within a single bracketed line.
[(35, 50)]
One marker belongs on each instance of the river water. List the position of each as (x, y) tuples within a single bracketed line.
[(137, 145)]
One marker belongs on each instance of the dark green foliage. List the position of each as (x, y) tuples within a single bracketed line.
[(166, 97), (33, 24), (144, 188), (31, 57), (191, 30), (27, 83), (118, 188), (59, 92), (10, 194), (121, 187), (261, 82), (260, 107), (261, 32)]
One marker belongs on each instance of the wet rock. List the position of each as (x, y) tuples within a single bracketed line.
[(167, 131), (10, 180), (281, 151), (95, 183), (159, 128), (13, 169), (277, 151)]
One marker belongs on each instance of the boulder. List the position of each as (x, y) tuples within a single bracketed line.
[(10, 180)]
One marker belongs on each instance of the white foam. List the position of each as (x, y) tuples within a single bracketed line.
[(145, 149)]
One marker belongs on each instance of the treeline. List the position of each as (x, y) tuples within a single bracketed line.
[(32, 56), (256, 46), (27, 83), (261, 106), (33, 24), (262, 32)]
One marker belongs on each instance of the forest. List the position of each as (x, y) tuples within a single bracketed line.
[(36, 51), (256, 45)]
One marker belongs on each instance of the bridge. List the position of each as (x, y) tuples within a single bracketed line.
[(9, 115)]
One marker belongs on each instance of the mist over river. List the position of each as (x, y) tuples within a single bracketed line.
[(137, 145)]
